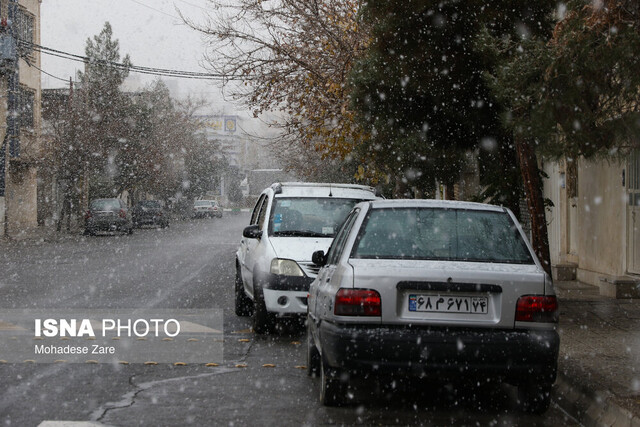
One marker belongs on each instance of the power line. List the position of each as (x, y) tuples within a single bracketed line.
[(48, 74), (153, 8), (130, 67)]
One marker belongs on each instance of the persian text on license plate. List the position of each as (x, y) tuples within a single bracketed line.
[(448, 304)]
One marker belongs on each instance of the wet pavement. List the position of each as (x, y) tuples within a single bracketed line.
[(259, 380), (599, 365)]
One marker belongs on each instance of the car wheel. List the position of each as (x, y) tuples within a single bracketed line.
[(89, 232), (130, 230), (534, 398), (333, 391), (313, 355), (243, 302), (263, 321)]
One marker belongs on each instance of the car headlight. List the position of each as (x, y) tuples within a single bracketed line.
[(286, 267)]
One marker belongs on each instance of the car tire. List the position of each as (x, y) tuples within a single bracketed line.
[(243, 302), (130, 230), (333, 392), (534, 398), (263, 321), (313, 355)]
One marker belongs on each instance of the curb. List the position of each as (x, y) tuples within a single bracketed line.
[(592, 408)]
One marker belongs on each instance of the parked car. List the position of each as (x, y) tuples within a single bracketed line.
[(433, 289), (206, 209), (273, 263), (217, 209), (149, 212), (108, 215)]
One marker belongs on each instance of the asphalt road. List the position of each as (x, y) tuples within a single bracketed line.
[(260, 380)]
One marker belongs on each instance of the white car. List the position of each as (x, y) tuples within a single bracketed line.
[(206, 209), (433, 289), (273, 263)]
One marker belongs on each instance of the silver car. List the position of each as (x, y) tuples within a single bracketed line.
[(432, 289)]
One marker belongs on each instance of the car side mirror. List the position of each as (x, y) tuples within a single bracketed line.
[(252, 232), (319, 258)]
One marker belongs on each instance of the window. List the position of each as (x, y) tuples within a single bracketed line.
[(335, 251), (633, 178), (25, 31), (25, 107), (256, 209), (263, 211), (308, 216), (441, 234)]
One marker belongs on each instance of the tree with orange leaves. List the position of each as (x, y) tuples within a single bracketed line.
[(292, 58)]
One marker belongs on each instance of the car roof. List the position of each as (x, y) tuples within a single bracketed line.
[(432, 203), (321, 189)]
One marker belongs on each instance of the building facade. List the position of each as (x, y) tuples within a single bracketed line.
[(20, 154), (594, 225)]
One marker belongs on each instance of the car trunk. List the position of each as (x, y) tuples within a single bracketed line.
[(460, 294)]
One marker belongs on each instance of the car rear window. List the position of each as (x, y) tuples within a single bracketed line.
[(308, 217), (441, 234), (105, 204), (150, 204)]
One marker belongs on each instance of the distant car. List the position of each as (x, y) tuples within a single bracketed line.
[(273, 263), (149, 212), (217, 209), (433, 289), (107, 215), (206, 209)]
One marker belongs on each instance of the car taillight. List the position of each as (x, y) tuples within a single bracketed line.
[(87, 215), (357, 302), (537, 308), (122, 213)]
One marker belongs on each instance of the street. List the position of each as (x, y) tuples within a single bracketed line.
[(260, 381)]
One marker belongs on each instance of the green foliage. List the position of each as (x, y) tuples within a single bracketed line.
[(420, 92), (139, 142), (577, 94)]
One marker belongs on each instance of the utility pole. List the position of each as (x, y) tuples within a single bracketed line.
[(13, 115), (10, 148)]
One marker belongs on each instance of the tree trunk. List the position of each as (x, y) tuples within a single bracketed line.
[(535, 201), (449, 193)]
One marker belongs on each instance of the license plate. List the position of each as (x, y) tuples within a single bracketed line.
[(449, 304)]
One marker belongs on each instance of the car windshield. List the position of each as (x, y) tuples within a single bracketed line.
[(308, 217), (203, 203), (105, 204), (441, 234)]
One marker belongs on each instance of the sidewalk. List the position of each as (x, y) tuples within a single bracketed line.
[(599, 364), (42, 234)]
